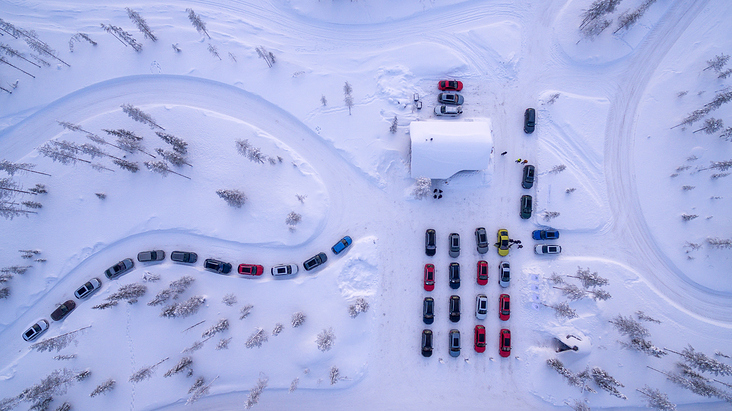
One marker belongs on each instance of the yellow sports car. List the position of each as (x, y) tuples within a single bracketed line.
[(502, 243)]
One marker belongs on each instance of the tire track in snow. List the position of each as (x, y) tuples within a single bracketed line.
[(629, 221)]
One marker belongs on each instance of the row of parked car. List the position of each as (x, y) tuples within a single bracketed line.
[(481, 308), (481, 276), (479, 341), (481, 242), (187, 257), (450, 102)]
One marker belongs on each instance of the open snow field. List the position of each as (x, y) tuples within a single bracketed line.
[(606, 111)]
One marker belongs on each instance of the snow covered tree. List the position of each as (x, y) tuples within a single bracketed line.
[(124, 37), (277, 329), (717, 63), (145, 373), (572, 292), (234, 198), (558, 169), (129, 292), (161, 168), (575, 380), (656, 399), (173, 157), (563, 310), (335, 375), (197, 384), (696, 384), (579, 405), (140, 116), (719, 242), (245, 311), (55, 384), (220, 326), (298, 319), (12, 168), (360, 306), (11, 52), (548, 215), (325, 340), (348, 98), (197, 22), (178, 144), (394, 125), (184, 309), (214, 51), (57, 343), (703, 363), (267, 56), (597, 9), (141, 24), (252, 153), (422, 187), (643, 317), (78, 38), (630, 327), (183, 365), (62, 151), (644, 346), (599, 294), (589, 279), (292, 219), (127, 165), (294, 384), (64, 407), (223, 344), (711, 125), (255, 392), (257, 338), (607, 382), (229, 299), (4, 292)]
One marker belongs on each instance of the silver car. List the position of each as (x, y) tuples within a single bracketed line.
[(154, 255), (120, 268), (481, 240), (454, 245), (481, 306), (35, 330), (284, 269), (449, 111), (504, 274), (454, 343), (87, 289), (547, 249)]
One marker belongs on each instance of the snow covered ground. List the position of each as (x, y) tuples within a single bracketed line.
[(606, 111)]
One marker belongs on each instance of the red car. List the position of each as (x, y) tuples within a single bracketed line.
[(453, 85), (429, 277), (250, 269), (504, 307), (505, 350), (479, 338), (482, 274)]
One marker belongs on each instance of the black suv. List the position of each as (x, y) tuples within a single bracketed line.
[(217, 266), (526, 206), (454, 308), (528, 180), (429, 242), (315, 261), (454, 276), (427, 343), (529, 120), (428, 310)]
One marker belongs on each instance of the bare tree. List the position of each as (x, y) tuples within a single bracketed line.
[(717, 63), (173, 157), (3, 60), (292, 219), (348, 98), (214, 51), (255, 392), (572, 292), (12, 168), (103, 387), (643, 317), (325, 340), (234, 198), (563, 310), (141, 24), (78, 37), (267, 56), (229, 299), (702, 362), (197, 22), (223, 344), (11, 52), (58, 342), (245, 311), (589, 279), (711, 126), (335, 375), (323, 101)]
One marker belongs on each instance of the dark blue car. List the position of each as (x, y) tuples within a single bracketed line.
[(341, 245), (545, 235)]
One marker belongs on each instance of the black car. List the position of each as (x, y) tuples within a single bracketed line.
[(184, 257), (426, 343), (315, 261), (529, 120), (428, 310), (147, 256), (120, 268), (63, 310), (528, 178), (450, 98), (526, 206), (454, 308), (217, 266), (429, 242), (454, 276), (454, 245)]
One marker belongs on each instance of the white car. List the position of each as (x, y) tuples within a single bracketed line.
[(450, 111), (547, 249), (87, 289), (481, 306), (284, 269), (35, 330), (504, 274)]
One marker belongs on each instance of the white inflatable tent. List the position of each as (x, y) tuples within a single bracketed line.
[(443, 148)]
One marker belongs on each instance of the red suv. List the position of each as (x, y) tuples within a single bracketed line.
[(504, 307), (429, 277), (505, 350), (453, 85), (250, 269), (482, 275), (479, 338)]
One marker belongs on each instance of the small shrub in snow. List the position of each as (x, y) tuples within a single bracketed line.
[(254, 394), (301, 197), (422, 188), (558, 169), (214, 51), (656, 399), (64, 407), (298, 319), (719, 242), (4, 292), (325, 340), (257, 338), (183, 365), (83, 375), (570, 190), (688, 217), (234, 198), (563, 310), (38, 189), (630, 327), (184, 309), (223, 344), (579, 405), (64, 357), (101, 196), (548, 215), (718, 175), (643, 317), (552, 98), (229, 299), (197, 384), (294, 384), (220, 326), (278, 329), (360, 306), (688, 188), (245, 311), (200, 391), (293, 218), (335, 375)]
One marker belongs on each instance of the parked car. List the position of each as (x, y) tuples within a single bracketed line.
[(528, 177), (428, 310), (454, 343), (545, 234), (448, 111), (35, 330), (481, 240), (429, 242), (120, 268), (217, 266), (250, 269), (341, 245), (503, 243), (453, 85), (505, 342), (454, 276), (154, 255), (526, 206), (184, 257), (63, 310), (481, 306), (482, 274), (87, 289), (426, 343), (454, 308), (529, 120), (504, 274), (284, 269), (547, 249), (315, 261), (454, 245), (479, 341), (429, 277), (504, 307), (450, 98)]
